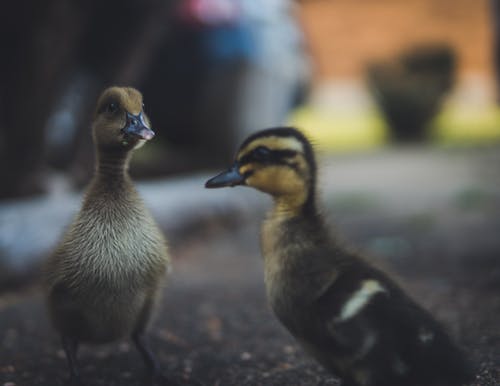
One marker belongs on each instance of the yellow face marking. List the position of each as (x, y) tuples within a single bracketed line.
[(301, 162), (286, 183), (273, 143), (245, 168), (276, 180)]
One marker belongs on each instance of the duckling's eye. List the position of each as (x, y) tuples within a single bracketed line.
[(261, 153), (112, 107)]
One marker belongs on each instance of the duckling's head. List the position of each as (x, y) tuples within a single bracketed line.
[(119, 121), (278, 161)]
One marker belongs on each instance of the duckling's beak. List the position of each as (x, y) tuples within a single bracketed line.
[(230, 177), (137, 126)]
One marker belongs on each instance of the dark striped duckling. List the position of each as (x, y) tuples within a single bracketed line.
[(104, 277), (348, 315)]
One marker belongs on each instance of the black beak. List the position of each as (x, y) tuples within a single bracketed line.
[(137, 126), (230, 177)]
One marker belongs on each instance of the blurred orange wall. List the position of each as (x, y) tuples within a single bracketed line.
[(346, 34)]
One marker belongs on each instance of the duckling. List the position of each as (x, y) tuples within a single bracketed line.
[(103, 279), (350, 316)]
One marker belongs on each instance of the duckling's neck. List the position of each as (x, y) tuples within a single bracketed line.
[(290, 235), (294, 205), (112, 164)]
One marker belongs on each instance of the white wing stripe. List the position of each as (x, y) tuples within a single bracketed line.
[(359, 299)]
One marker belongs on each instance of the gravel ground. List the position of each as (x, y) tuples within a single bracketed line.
[(215, 328)]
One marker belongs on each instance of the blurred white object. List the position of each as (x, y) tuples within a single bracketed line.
[(282, 65)]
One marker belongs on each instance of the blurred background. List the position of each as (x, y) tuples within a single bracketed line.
[(353, 74), (401, 99)]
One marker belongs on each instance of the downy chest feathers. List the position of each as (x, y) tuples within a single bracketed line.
[(113, 243), (294, 271)]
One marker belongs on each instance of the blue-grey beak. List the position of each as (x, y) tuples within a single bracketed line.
[(137, 126), (230, 177)]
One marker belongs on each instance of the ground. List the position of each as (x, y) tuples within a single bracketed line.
[(227, 335), (214, 326)]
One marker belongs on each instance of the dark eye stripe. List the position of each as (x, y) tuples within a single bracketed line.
[(261, 152), (277, 157), (285, 153), (293, 165)]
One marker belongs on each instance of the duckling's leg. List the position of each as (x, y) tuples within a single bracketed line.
[(70, 347), (157, 377)]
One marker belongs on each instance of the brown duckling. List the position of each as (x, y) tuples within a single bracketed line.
[(356, 321), (104, 277)]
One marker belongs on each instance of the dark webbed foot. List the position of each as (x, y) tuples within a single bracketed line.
[(72, 381), (160, 379), (157, 378), (70, 347)]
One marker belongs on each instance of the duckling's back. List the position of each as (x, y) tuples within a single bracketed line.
[(349, 315), (104, 276)]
